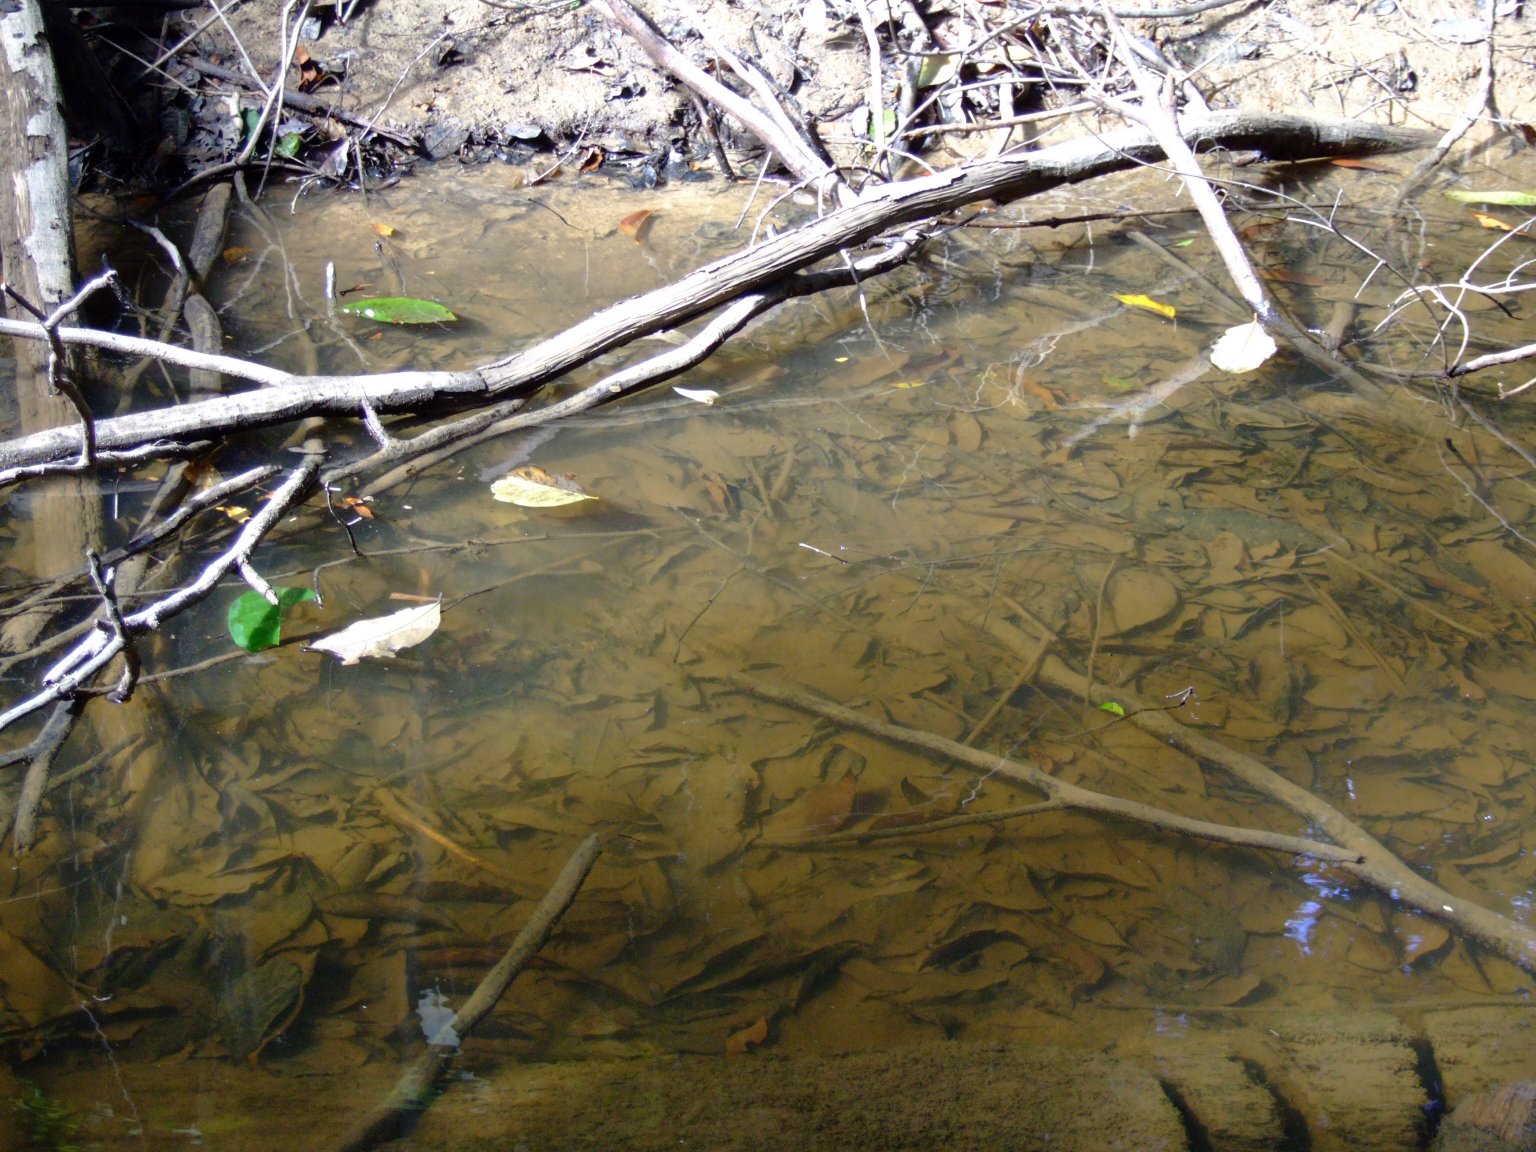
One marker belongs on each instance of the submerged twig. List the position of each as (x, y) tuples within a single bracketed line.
[(1063, 794), (412, 1092)]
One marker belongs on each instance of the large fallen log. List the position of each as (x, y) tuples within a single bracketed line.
[(879, 211)]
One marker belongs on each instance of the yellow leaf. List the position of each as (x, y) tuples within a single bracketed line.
[(236, 513), (909, 384), (532, 487), (1137, 300), (1491, 222), (383, 229)]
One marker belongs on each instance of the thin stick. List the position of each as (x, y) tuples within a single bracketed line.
[(1064, 794), (412, 1093), (1026, 672), (919, 826), (1357, 852), (43, 751), (391, 806)]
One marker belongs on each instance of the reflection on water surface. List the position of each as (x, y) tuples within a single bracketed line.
[(1003, 466)]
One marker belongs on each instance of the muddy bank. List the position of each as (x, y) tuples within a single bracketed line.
[(470, 79)]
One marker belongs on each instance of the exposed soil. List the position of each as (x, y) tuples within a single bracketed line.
[(467, 72)]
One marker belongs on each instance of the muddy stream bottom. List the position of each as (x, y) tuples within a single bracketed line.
[(905, 504)]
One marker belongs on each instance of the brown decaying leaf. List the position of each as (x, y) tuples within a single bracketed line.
[(637, 224), (591, 161), (818, 812), (235, 254), (737, 1043), (1039, 391), (1363, 165)]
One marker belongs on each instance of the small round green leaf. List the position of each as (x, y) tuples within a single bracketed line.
[(255, 623), (398, 310)]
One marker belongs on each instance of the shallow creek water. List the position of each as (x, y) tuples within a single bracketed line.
[(902, 503)]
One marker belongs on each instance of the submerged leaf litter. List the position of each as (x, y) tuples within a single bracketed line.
[(329, 845)]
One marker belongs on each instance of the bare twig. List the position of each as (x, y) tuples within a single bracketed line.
[(798, 156), (42, 752), (68, 676), (876, 210), (412, 1091), (306, 103), (1062, 793)]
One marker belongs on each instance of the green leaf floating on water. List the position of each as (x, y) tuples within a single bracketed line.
[(1507, 198), (1111, 706), (398, 310), (256, 623)]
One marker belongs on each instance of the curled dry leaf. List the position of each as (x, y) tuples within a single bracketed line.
[(737, 1043), (637, 224), (383, 636), (532, 487), (1242, 349), (698, 395), (819, 812)]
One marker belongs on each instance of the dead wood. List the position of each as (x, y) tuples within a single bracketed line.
[(1358, 853), (413, 1092), (882, 209)]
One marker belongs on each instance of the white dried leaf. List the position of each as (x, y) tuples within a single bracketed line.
[(532, 487), (1242, 349), (698, 395), (383, 636)]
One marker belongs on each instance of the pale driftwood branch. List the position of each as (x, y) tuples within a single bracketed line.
[(70, 675), (876, 210), (797, 154), (1160, 120), (441, 443), (1492, 360), (413, 1090)]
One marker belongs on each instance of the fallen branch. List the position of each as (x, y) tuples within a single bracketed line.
[(413, 1091), (70, 676), (1063, 794), (302, 102), (877, 210), (1356, 852)]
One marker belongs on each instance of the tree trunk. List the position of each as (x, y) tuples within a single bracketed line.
[(37, 254)]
